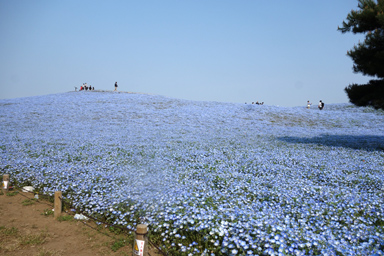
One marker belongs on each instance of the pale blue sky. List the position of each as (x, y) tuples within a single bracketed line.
[(280, 52)]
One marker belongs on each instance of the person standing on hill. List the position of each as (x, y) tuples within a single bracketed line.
[(115, 86), (321, 105), (309, 104)]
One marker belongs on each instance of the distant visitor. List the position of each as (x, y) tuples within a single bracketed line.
[(116, 86), (309, 104), (321, 105)]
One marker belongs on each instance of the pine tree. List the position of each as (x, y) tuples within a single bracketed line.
[(368, 56)]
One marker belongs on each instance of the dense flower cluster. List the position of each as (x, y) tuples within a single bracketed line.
[(209, 178)]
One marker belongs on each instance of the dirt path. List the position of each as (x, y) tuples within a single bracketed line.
[(27, 227)]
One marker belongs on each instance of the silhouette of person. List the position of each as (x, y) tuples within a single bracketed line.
[(321, 105)]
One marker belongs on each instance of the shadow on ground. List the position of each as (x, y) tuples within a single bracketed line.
[(365, 142)]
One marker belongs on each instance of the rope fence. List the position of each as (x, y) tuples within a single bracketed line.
[(141, 233)]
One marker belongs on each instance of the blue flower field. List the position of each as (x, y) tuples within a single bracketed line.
[(209, 178)]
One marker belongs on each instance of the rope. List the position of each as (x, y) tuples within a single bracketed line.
[(90, 217)]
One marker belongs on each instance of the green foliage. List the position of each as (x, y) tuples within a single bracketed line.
[(9, 231), (34, 239), (115, 230), (27, 202), (47, 212), (65, 218), (371, 94), (13, 193), (368, 56), (118, 244)]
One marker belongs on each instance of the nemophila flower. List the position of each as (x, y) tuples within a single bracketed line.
[(298, 181)]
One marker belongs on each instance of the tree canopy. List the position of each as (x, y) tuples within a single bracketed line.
[(368, 56)]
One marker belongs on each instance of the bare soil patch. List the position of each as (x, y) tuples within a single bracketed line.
[(27, 227)]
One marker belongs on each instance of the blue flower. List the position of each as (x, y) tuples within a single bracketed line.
[(283, 180)]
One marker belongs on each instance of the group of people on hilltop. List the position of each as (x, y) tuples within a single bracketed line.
[(257, 103), (86, 87), (320, 105)]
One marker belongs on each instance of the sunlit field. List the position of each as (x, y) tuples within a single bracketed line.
[(209, 178)]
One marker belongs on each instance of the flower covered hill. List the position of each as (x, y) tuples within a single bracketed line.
[(209, 178)]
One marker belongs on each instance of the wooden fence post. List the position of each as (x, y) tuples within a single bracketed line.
[(5, 182), (57, 204), (140, 244)]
